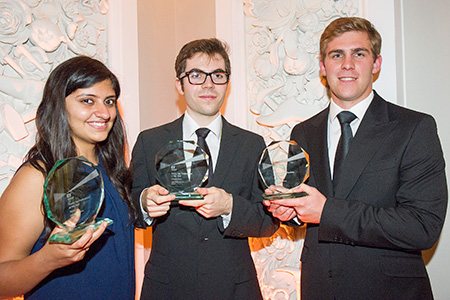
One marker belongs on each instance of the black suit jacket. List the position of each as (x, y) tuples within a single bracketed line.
[(193, 257), (390, 205)]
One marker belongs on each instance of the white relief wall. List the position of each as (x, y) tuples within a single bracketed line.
[(35, 36), (284, 88)]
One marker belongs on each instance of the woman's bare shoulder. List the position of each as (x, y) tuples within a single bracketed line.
[(21, 215)]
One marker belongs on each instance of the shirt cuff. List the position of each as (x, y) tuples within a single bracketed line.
[(147, 219), (296, 220), (226, 220)]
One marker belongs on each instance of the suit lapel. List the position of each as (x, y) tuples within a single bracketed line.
[(228, 145), (373, 129), (175, 129), (316, 135)]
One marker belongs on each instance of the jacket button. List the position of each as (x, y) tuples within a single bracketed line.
[(330, 273)]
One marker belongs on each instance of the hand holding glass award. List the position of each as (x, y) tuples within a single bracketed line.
[(73, 186), (284, 164), (181, 167)]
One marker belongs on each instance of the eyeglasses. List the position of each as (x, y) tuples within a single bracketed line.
[(198, 77)]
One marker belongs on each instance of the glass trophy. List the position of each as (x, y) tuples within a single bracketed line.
[(284, 164), (74, 185), (181, 167)]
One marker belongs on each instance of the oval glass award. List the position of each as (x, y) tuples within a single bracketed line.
[(284, 164), (74, 185), (182, 166)]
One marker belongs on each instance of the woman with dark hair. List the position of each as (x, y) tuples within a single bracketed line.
[(78, 116)]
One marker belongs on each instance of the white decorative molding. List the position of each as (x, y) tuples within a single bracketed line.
[(35, 36), (284, 88), (284, 83), (277, 262)]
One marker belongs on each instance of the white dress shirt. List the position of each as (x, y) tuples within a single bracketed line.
[(213, 138)]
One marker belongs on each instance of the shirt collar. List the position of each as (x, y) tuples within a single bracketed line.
[(359, 109), (190, 126)]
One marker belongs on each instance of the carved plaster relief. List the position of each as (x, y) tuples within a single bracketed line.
[(35, 36), (284, 88)]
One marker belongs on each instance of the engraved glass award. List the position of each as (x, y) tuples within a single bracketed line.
[(284, 164), (181, 167), (73, 186)]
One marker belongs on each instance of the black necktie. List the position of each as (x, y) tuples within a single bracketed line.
[(345, 118), (202, 133)]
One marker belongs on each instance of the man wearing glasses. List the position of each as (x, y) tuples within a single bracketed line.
[(200, 248)]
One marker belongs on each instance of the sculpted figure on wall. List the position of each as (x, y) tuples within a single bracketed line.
[(284, 88), (35, 36)]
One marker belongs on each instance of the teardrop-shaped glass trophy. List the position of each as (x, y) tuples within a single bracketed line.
[(285, 164), (74, 185), (182, 166)]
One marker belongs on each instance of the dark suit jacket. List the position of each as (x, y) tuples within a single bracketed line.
[(390, 205), (193, 257)]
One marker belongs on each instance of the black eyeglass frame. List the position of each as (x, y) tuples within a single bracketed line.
[(186, 74)]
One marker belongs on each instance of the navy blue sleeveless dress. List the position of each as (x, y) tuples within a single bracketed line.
[(107, 270)]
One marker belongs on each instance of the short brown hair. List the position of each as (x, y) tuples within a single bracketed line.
[(343, 25), (209, 47)]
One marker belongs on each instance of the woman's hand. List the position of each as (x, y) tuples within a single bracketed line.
[(61, 255)]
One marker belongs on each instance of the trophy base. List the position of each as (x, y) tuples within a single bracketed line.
[(188, 196), (72, 236), (284, 196)]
